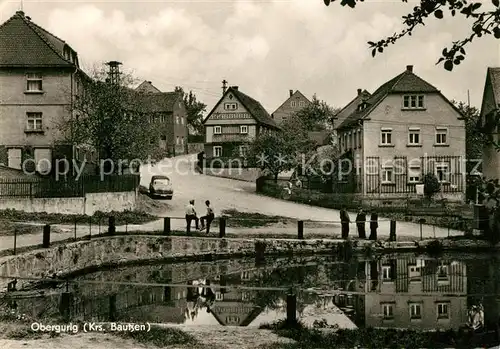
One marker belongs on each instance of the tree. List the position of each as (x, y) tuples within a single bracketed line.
[(485, 22), (431, 185), (317, 116), (195, 110), (474, 139), (110, 118)]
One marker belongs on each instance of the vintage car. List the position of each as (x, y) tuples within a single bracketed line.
[(161, 186)]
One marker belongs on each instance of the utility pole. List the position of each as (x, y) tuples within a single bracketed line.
[(224, 86)]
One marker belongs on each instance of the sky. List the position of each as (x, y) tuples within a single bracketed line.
[(265, 47)]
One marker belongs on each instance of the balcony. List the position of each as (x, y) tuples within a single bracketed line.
[(230, 137)]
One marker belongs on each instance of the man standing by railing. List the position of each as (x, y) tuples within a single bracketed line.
[(360, 222), (191, 216), (344, 221), (209, 217)]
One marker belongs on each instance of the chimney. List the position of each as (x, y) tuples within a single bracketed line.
[(234, 88), (291, 93), (359, 92), (409, 68), (149, 82)]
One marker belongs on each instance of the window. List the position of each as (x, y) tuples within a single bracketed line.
[(413, 102), (442, 172), (302, 104), (178, 119), (217, 151), (293, 104), (182, 120), (219, 296), (442, 311), (217, 130), (177, 140), (245, 275), (33, 82), (163, 137), (163, 118), (34, 121), (414, 173), (243, 151), (414, 136), (284, 118), (386, 273), (442, 272), (244, 129), (441, 136), (231, 320), (388, 311), (231, 106), (245, 296), (415, 310), (387, 175), (386, 136), (182, 140)]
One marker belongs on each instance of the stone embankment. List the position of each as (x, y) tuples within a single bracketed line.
[(90, 255)]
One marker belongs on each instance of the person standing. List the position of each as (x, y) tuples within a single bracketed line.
[(344, 221), (360, 222), (373, 226), (208, 218), (191, 216)]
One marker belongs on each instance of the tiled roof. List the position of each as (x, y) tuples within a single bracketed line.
[(351, 107), (406, 82), (147, 86), (25, 44), (156, 102), (319, 137), (254, 107), (494, 74)]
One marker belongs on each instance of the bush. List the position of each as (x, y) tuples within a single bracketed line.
[(431, 185)]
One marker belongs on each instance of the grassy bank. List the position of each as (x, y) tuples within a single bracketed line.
[(252, 219), (322, 336)]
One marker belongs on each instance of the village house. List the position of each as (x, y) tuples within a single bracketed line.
[(233, 123), (490, 104), (294, 103), (406, 129), (168, 111), (39, 77)]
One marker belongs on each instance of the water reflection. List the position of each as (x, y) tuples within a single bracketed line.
[(397, 291)]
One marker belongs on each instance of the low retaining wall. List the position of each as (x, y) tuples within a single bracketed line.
[(242, 174), (92, 202), (121, 250)]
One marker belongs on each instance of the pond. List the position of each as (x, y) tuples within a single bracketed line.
[(390, 291)]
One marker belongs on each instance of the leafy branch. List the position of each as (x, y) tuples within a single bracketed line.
[(485, 23)]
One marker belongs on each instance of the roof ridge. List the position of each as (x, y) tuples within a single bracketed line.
[(48, 32), (9, 20), (30, 25), (282, 104)]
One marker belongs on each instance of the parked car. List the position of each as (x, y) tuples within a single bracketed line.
[(161, 186)]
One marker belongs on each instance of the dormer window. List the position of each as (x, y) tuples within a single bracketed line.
[(413, 102)]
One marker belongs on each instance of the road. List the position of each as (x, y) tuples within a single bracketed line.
[(234, 194), (228, 194)]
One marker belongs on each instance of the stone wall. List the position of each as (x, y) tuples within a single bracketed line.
[(92, 202), (121, 250)]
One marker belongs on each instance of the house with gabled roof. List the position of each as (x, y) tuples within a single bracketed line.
[(169, 114), (40, 76), (291, 105), (407, 128), (489, 121), (235, 120)]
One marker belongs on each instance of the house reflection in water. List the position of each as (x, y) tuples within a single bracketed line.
[(411, 293), (235, 307)]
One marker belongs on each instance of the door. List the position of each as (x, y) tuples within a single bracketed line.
[(43, 160), (14, 158)]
